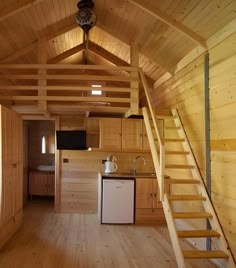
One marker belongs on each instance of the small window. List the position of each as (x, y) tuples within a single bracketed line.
[(43, 145)]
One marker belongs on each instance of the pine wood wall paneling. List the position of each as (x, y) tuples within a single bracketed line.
[(185, 91), (223, 134)]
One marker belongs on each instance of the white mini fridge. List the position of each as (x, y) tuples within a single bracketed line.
[(117, 201)]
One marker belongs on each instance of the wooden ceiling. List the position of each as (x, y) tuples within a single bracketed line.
[(164, 31)]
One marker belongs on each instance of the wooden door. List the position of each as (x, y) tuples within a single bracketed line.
[(38, 183), (7, 191), (17, 142), (132, 130), (144, 196), (51, 184), (156, 195), (110, 133)]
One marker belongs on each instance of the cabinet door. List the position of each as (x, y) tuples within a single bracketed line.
[(110, 133), (6, 186), (132, 130), (144, 195), (38, 183), (156, 195), (92, 132), (51, 184)]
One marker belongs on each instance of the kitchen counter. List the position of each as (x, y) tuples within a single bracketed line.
[(128, 175)]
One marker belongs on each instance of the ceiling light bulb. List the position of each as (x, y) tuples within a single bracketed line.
[(96, 92)]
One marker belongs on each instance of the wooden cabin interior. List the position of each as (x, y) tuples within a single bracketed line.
[(151, 83)]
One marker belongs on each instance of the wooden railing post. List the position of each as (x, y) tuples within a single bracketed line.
[(42, 59), (134, 85), (160, 165)]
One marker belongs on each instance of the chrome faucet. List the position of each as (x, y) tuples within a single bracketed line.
[(133, 169)]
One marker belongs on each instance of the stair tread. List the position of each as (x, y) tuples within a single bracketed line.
[(174, 140), (186, 197), (181, 181), (198, 233), (204, 254), (169, 128), (191, 215), (179, 166), (177, 152)]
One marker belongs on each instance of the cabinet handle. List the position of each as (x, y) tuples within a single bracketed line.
[(155, 195), (14, 165), (151, 194)]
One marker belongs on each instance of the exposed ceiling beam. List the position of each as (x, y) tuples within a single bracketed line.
[(106, 55), (67, 54), (100, 51), (15, 7), (160, 15)]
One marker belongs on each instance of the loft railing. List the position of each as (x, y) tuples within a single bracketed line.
[(60, 83), (159, 160)]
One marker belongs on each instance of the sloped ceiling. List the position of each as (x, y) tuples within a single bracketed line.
[(164, 31)]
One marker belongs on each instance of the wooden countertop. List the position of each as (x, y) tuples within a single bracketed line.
[(129, 175)]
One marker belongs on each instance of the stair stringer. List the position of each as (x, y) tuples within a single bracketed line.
[(207, 204), (165, 202)]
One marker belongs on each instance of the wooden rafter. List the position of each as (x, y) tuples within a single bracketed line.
[(16, 7), (160, 15), (100, 51), (67, 54), (106, 54)]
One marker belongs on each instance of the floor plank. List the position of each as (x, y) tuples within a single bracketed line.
[(49, 240)]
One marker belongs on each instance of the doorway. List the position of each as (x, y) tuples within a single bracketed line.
[(39, 161)]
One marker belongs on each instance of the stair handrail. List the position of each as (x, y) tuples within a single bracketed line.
[(159, 161)]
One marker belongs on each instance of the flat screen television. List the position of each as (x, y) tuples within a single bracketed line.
[(71, 140)]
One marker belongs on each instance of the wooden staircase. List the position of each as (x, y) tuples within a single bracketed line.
[(187, 206)]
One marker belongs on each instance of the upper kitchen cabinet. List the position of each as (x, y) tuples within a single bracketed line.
[(132, 134), (110, 133), (11, 177), (123, 134), (92, 132)]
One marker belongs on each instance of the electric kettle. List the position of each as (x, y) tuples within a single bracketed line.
[(110, 164)]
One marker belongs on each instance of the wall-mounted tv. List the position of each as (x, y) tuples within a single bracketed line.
[(71, 140)]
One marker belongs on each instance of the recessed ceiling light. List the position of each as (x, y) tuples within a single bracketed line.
[(96, 85), (96, 92)]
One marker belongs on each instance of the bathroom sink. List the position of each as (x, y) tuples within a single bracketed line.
[(46, 168)]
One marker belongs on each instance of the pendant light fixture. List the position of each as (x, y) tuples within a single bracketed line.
[(85, 17)]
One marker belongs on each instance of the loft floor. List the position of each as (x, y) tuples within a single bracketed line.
[(49, 240)]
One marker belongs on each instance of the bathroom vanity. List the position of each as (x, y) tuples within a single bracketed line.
[(41, 183)]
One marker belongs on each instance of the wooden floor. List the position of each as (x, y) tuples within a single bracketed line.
[(49, 240)]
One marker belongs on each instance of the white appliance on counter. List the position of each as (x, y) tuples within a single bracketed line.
[(117, 201)]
